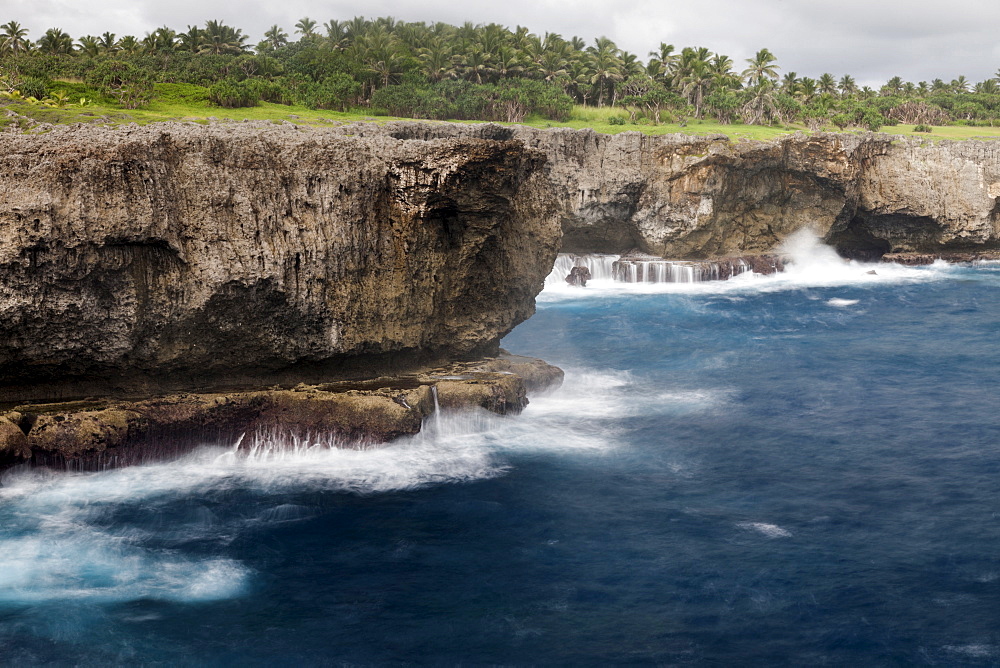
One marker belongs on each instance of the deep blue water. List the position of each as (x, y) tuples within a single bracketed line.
[(775, 471)]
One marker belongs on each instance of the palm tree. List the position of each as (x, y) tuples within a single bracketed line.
[(14, 37), (630, 65), (760, 67), (807, 88), (551, 65), (90, 45), (661, 62), (276, 37), (827, 84), (696, 83), (475, 63), (762, 103), (893, 86), (355, 28), (218, 38), (689, 59), (107, 42), (413, 35), (436, 59), (379, 50), (519, 38), (491, 37), (604, 63), (960, 85), (161, 40), (307, 28), (387, 22), (509, 62), (334, 30), (847, 86), (579, 77), (190, 41), (55, 41), (128, 44), (722, 72), (790, 83), (988, 87)]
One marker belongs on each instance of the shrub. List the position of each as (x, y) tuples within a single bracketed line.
[(269, 91), (617, 120), (337, 91), (35, 87), (130, 85), (233, 94), (922, 128), (841, 120), (180, 93), (873, 120)]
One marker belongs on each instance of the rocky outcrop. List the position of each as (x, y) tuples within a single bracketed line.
[(116, 432), (692, 198), (142, 260), (930, 258)]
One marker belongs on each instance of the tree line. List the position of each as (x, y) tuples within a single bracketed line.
[(484, 71)]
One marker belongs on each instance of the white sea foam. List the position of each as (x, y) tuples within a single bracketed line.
[(974, 650), (810, 264), (56, 541), (841, 303), (65, 558), (768, 530)]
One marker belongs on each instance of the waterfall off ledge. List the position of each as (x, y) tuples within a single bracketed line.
[(637, 267)]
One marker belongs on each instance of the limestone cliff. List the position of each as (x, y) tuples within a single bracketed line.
[(686, 197), (177, 255)]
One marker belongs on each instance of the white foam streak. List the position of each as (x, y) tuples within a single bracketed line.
[(767, 530)]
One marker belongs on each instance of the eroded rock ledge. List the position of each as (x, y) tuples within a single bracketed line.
[(116, 432)]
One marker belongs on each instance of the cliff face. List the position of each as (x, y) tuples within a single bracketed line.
[(686, 197), (176, 255), (692, 198)]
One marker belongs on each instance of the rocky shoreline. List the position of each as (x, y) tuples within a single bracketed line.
[(931, 258), (101, 432)]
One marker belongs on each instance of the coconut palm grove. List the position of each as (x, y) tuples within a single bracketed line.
[(489, 72)]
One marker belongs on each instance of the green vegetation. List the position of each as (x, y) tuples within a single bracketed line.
[(360, 68)]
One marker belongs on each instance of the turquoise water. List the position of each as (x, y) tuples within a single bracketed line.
[(799, 469)]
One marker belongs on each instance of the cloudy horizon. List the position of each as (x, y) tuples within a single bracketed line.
[(919, 42)]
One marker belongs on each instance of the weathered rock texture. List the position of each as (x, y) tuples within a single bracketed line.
[(115, 432), (697, 198), (685, 197), (175, 256), (178, 256)]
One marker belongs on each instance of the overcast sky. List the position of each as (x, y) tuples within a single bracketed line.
[(869, 39)]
